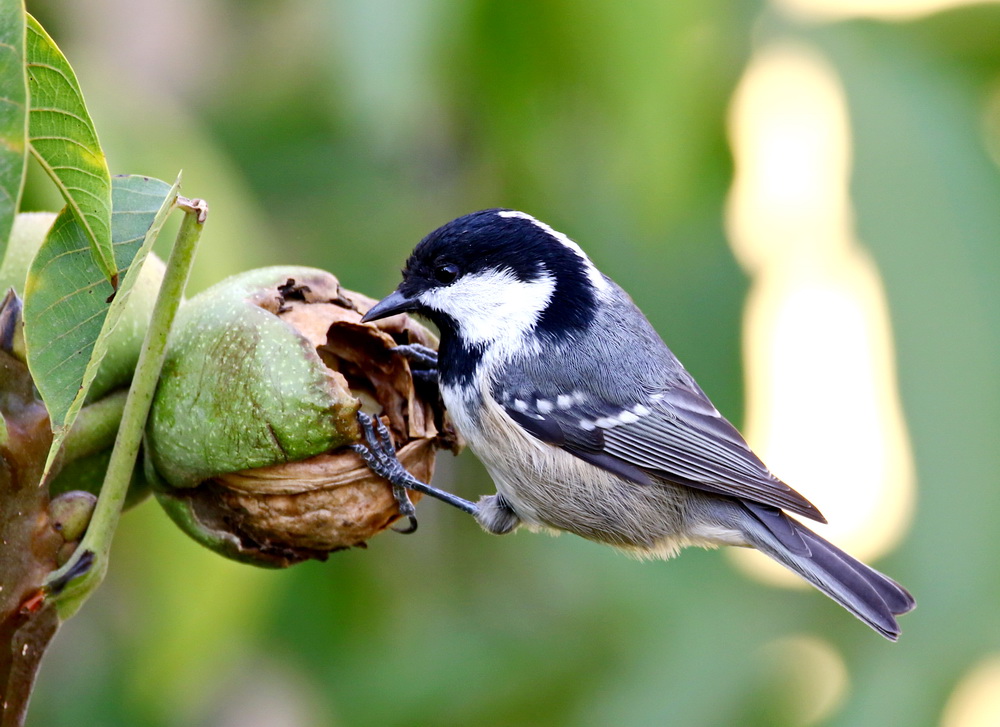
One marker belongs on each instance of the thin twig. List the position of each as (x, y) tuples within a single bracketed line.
[(68, 586)]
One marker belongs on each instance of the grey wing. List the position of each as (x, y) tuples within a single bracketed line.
[(676, 435)]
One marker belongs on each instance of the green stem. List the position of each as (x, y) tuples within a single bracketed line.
[(95, 427), (74, 582)]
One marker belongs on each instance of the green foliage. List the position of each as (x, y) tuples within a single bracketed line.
[(106, 229), (13, 114), (67, 320), (64, 141)]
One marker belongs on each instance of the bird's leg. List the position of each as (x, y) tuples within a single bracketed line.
[(423, 361), (380, 456)]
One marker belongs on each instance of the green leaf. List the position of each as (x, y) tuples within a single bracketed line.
[(64, 141), (67, 319), (13, 114)]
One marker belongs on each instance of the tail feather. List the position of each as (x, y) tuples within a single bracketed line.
[(873, 597)]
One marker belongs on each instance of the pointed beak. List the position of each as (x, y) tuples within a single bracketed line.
[(392, 304)]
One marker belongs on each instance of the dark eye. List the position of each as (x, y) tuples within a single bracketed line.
[(446, 273)]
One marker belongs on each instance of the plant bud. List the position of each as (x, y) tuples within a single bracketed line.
[(69, 514), (259, 394)]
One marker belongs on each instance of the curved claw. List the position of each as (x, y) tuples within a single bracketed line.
[(410, 528), (405, 506)]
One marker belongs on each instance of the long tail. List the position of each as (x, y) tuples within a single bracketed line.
[(873, 597)]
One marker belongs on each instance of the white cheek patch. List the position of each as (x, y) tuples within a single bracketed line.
[(492, 305), (596, 279)]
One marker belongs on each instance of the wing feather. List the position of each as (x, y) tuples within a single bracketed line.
[(677, 436)]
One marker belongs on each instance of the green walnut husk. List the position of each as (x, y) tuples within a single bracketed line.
[(26, 236), (259, 394)]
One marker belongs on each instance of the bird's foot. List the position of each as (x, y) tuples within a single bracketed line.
[(379, 454), (423, 361), (419, 356)]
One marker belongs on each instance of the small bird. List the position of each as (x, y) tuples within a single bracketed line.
[(586, 421)]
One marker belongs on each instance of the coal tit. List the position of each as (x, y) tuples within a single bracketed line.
[(585, 419)]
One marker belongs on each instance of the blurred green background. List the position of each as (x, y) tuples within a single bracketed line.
[(337, 134)]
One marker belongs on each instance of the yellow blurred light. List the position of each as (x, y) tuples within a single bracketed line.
[(812, 675), (823, 409), (790, 136), (826, 10), (991, 124), (976, 700)]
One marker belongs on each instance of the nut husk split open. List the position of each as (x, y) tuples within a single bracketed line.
[(264, 375)]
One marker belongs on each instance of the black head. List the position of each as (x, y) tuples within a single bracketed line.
[(491, 276)]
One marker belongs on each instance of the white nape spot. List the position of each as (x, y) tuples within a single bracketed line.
[(564, 402), (640, 410), (627, 417), (493, 306), (587, 425), (521, 406), (544, 406), (596, 278)]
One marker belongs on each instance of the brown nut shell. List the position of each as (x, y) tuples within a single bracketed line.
[(334, 503)]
